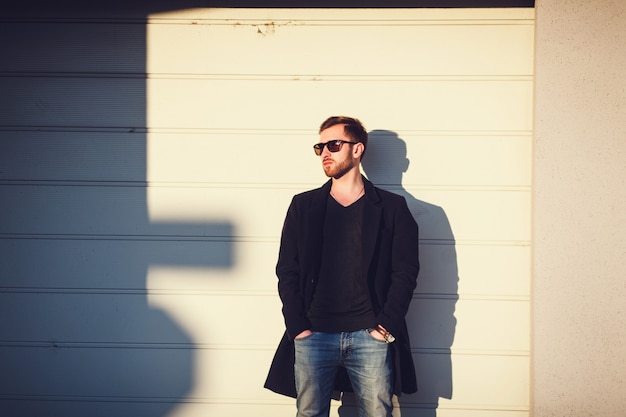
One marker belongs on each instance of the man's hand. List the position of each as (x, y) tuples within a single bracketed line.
[(304, 334), (377, 335)]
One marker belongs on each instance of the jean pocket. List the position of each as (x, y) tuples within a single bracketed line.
[(299, 339), (370, 334)]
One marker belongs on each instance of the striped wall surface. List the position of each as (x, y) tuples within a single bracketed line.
[(146, 165)]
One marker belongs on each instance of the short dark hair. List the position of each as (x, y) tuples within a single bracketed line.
[(353, 128)]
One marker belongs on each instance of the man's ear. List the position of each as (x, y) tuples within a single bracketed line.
[(357, 150)]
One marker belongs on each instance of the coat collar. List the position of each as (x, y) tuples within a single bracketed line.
[(370, 192)]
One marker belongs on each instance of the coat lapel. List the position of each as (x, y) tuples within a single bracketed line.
[(371, 223), (315, 226)]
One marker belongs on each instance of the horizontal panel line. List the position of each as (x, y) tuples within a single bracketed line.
[(233, 239), (274, 77), (472, 297), (140, 131), (176, 292), (345, 77), (251, 131), (132, 291), (406, 405), (58, 236), (485, 407), (277, 400), (16, 182), (299, 17), (258, 185), (299, 22), (73, 74), (525, 298), (231, 347), (134, 238), (122, 19), (492, 243), (98, 345), (415, 405), (489, 352), (135, 291), (90, 399)]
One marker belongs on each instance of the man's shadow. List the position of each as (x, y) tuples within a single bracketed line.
[(430, 319)]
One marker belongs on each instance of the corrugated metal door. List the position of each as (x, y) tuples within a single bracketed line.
[(146, 167)]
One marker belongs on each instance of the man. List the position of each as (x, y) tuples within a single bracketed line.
[(347, 268)]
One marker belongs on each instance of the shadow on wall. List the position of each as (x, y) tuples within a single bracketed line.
[(430, 319), (79, 337)]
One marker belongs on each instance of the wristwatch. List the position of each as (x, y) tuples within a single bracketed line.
[(386, 335)]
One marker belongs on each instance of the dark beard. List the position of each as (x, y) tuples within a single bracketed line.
[(341, 169)]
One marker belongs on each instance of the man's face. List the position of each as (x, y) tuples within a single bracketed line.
[(337, 164)]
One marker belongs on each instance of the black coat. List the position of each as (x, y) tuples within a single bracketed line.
[(390, 256)]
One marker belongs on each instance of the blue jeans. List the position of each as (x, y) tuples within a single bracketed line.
[(367, 360)]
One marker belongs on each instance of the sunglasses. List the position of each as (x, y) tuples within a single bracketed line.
[(333, 146)]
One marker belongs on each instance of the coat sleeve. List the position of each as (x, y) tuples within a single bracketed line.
[(404, 268), (290, 276)]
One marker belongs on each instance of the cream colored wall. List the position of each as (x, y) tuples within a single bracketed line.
[(579, 209), (234, 99), (147, 169)]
